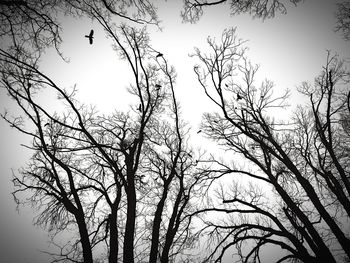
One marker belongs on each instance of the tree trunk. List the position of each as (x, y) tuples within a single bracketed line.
[(322, 249), (84, 239), (113, 228), (155, 230), (172, 229), (113, 238), (128, 249)]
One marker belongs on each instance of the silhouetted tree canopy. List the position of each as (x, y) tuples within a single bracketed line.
[(128, 186), (262, 9), (294, 191), (343, 19), (122, 184), (35, 26), (193, 9)]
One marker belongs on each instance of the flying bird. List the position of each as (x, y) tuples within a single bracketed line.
[(90, 36), (159, 55)]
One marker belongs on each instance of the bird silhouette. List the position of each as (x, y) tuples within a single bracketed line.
[(158, 86), (159, 55), (90, 36), (199, 131), (239, 97), (139, 108)]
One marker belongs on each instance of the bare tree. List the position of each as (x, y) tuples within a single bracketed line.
[(122, 184), (343, 19), (302, 162), (27, 26), (193, 10), (89, 170)]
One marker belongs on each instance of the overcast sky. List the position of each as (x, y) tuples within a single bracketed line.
[(289, 49)]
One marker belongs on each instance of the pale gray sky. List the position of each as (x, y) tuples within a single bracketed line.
[(289, 48)]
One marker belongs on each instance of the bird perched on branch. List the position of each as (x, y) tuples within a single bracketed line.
[(159, 55), (239, 97), (90, 36)]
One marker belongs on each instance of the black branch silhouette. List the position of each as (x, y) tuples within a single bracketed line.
[(342, 16), (296, 191), (27, 26), (124, 183), (193, 10)]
